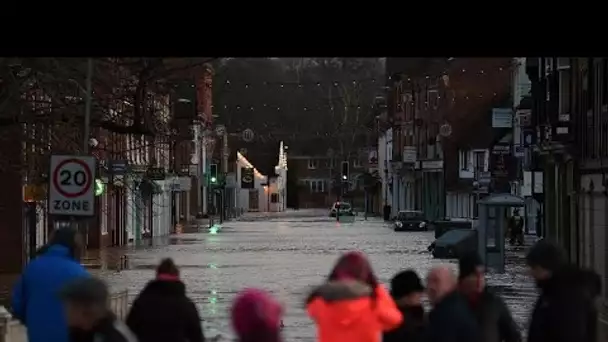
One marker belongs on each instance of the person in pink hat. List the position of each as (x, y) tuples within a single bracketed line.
[(256, 317)]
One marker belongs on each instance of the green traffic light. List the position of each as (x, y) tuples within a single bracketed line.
[(99, 187), (213, 179)]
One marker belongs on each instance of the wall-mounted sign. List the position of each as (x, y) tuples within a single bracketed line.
[(119, 167), (247, 178), (156, 173), (502, 118)]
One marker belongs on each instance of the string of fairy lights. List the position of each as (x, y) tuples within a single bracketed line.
[(231, 85)]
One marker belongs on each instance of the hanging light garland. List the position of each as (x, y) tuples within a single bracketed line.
[(233, 85)]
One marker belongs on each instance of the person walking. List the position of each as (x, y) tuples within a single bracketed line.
[(256, 317), (162, 311), (565, 311), (516, 228), (86, 302), (34, 299), (407, 291), (494, 318), (450, 320), (352, 305)]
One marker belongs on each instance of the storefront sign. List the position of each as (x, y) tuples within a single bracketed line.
[(247, 178), (432, 164), (156, 173)]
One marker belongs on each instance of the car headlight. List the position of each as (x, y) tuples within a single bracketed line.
[(422, 224), (399, 224)]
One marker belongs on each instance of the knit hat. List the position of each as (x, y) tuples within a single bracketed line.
[(547, 255), (405, 283), (468, 264), (256, 315), (167, 270)]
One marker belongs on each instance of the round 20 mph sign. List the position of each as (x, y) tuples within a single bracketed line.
[(71, 188)]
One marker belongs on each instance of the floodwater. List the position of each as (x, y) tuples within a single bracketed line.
[(289, 253)]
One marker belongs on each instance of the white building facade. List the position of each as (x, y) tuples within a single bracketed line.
[(278, 184), (253, 193)]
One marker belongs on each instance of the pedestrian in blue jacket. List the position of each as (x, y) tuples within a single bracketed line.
[(35, 300)]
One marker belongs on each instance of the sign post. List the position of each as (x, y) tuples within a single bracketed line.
[(71, 189)]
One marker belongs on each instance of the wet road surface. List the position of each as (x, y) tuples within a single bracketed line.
[(287, 255)]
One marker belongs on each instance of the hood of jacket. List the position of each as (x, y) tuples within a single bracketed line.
[(344, 301), (165, 288), (571, 280), (57, 250)]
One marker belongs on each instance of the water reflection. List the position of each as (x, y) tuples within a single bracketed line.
[(284, 256)]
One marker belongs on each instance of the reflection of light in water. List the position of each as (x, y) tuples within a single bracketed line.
[(213, 302)]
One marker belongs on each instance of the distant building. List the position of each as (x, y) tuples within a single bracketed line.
[(318, 179), (252, 189)]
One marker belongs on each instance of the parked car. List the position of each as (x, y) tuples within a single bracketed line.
[(454, 243), (344, 208), (410, 220)]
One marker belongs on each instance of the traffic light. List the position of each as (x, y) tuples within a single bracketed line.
[(213, 173), (345, 170)]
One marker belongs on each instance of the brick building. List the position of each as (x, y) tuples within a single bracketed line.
[(437, 106), (133, 204), (570, 130), (317, 176)]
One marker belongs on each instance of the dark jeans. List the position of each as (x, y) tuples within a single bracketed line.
[(516, 236)]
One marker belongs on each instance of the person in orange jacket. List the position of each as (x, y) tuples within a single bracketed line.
[(351, 305)]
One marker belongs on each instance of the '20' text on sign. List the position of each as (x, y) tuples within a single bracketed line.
[(71, 190)]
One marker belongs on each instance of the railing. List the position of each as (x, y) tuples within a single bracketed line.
[(13, 331)]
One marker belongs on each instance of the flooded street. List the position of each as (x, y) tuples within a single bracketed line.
[(286, 255)]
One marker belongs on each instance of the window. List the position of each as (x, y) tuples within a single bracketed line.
[(357, 164), (480, 162), (564, 91), (464, 160), (604, 83), (316, 185), (433, 98), (313, 163), (274, 198)]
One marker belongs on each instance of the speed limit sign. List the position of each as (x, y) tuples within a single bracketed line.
[(71, 190)]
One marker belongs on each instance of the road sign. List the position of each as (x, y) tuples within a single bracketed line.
[(248, 135), (71, 186)]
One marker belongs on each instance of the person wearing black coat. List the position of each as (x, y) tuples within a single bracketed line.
[(162, 312), (450, 320), (565, 310), (407, 290), (495, 321)]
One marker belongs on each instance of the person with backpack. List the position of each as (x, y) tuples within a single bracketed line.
[(35, 301), (162, 311)]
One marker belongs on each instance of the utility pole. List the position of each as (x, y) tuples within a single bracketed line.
[(84, 228)]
